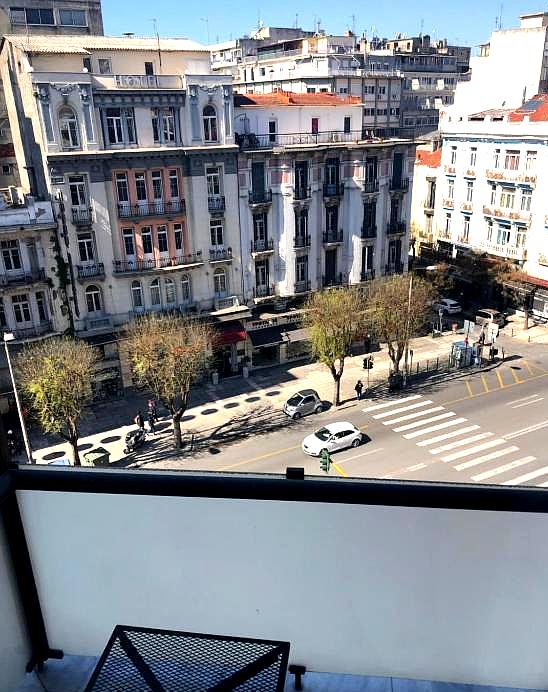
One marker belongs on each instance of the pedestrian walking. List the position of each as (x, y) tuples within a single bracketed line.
[(152, 409), (151, 424), (139, 420), (358, 389)]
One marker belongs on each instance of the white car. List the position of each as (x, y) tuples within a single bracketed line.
[(448, 306), (332, 437)]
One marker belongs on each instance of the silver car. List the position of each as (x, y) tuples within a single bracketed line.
[(302, 403), (488, 316)]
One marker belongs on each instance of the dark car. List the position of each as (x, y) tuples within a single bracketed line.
[(302, 403)]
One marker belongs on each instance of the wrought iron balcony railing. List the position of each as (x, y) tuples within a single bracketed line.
[(302, 286), (30, 332), (260, 197), (264, 291), (220, 254), (82, 217), (90, 270), (368, 275), (369, 232), (302, 192), (22, 278), (399, 184), (216, 204), (301, 241), (333, 189), (332, 237), (371, 186), (158, 208), (335, 280), (395, 227), (266, 245), (125, 266)]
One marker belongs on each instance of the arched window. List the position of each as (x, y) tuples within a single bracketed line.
[(210, 124), (155, 293), (171, 291), (93, 299), (68, 128), (186, 288), (219, 281), (137, 294)]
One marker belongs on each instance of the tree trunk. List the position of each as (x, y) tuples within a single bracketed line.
[(75, 452), (337, 391), (177, 435)]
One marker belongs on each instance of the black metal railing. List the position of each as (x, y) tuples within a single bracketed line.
[(81, 217), (394, 268), (399, 184), (335, 280), (158, 208), (332, 237), (263, 291), (302, 192), (394, 227), (123, 266), (260, 196), (23, 278), (368, 275), (220, 254), (333, 189), (90, 270), (266, 245), (371, 186), (216, 203), (302, 286), (369, 232), (301, 241), (253, 141), (29, 332)]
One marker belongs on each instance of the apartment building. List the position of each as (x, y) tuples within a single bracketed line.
[(319, 206), (133, 141)]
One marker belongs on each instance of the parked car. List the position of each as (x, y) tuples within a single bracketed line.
[(332, 437), (448, 306), (489, 316), (302, 403)]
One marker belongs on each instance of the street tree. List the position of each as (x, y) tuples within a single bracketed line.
[(56, 376), (397, 309), (335, 320), (168, 353)]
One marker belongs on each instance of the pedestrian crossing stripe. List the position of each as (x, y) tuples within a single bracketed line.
[(410, 416), (391, 403), (486, 457), (528, 477), (503, 469), (432, 428), (447, 436), (425, 421), (387, 414), (461, 443), (473, 450)]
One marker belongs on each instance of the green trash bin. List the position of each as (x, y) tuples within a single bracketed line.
[(97, 457)]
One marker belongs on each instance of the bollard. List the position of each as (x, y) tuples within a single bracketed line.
[(512, 331), (427, 364), (529, 339), (438, 363)]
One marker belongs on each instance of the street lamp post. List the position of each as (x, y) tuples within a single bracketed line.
[(7, 338)]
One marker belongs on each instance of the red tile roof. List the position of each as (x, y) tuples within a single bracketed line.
[(536, 108), (289, 98), (432, 159)]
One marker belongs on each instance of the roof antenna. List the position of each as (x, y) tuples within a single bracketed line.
[(296, 20), (155, 25)]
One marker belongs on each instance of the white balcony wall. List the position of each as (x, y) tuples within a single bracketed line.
[(423, 593), (298, 119)]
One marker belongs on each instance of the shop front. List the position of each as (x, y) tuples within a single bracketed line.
[(229, 354), (275, 342)]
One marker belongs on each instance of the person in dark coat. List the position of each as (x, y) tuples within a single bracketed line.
[(139, 420), (358, 389)]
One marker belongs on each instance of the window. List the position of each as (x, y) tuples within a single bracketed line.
[(507, 198), (450, 188), (301, 268), (3, 321), (122, 188), (7, 169), (72, 17), (213, 179), (186, 289), (173, 185), (530, 160), (162, 239), (369, 89), (93, 299), (315, 126), (447, 224), (155, 293), (526, 197), (310, 90), (271, 130), (178, 235), (20, 15), (146, 239), (473, 156), (503, 235), (466, 229), (141, 187), (105, 66), (21, 308), (137, 294), (301, 223), (219, 283), (489, 231), (369, 112), (171, 291), (129, 242), (520, 239), (11, 255), (86, 62), (210, 124), (511, 160), (347, 123), (41, 305), (68, 128), (157, 186), (331, 219), (496, 158), (493, 194), (149, 68), (120, 125), (163, 124), (469, 190), (381, 90), (85, 247), (78, 191), (332, 171), (261, 273), (216, 232), (453, 154), (259, 227)]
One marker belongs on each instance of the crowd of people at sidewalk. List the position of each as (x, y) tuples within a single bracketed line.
[(152, 417)]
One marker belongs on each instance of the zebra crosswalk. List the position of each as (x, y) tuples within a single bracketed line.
[(451, 439)]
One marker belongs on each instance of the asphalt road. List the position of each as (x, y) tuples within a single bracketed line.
[(483, 427)]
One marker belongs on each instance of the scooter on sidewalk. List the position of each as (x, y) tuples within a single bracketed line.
[(134, 439)]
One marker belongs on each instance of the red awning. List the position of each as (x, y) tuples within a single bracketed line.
[(230, 333)]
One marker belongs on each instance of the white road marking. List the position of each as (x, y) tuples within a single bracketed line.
[(395, 411), (416, 424), (529, 429), (525, 398), (447, 436), (396, 402), (417, 467), (432, 428), (486, 457), (528, 403), (528, 477), (473, 450), (502, 469), (357, 456), (461, 443), (410, 416)]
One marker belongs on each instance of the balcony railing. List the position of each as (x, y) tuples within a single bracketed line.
[(264, 291), (395, 227), (302, 286), (399, 185), (81, 217), (301, 241), (333, 189), (268, 141), (100, 321), (31, 332), (91, 270), (260, 197), (336, 280), (220, 254), (511, 176), (127, 266), (367, 275), (159, 208), (448, 202), (370, 186), (302, 192), (466, 206), (394, 268), (511, 251), (22, 278), (331, 237), (266, 245), (369, 232), (505, 213), (216, 204)]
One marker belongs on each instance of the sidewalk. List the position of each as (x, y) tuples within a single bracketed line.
[(537, 333), (230, 404)]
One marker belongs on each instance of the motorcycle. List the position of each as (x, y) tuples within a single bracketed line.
[(134, 439), (15, 444)]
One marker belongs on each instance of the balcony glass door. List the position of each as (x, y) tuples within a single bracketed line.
[(158, 192), (78, 195), (141, 192), (330, 266), (257, 179), (261, 275)]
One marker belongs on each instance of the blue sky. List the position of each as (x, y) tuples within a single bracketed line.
[(467, 21)]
